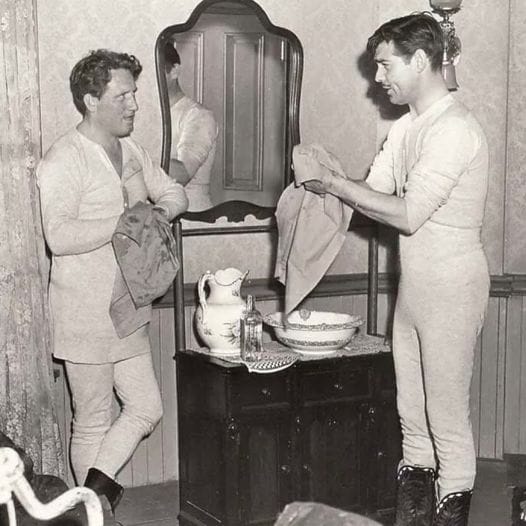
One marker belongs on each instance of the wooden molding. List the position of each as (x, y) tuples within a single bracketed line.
[(504, 285)]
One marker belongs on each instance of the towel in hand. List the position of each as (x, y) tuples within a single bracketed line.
[(311, 227), (145, 251)]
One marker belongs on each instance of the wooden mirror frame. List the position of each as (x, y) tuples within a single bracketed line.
[(234, 211), (237, 211)]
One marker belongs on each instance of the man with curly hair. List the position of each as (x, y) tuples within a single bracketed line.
[(87, 179)]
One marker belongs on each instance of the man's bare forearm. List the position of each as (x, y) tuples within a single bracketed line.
[(387, 209)]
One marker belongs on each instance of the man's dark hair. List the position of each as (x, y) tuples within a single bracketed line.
[(92, 74), (409, 33), (171, 56)]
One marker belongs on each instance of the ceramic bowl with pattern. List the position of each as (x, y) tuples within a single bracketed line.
[(313, 332)]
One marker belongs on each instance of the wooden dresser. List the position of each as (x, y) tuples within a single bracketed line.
[(322, 430)]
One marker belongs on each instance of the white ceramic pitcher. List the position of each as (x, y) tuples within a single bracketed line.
[(217, 315)]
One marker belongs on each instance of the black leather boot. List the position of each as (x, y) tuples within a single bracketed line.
[(103, 485), (453, 509), (415, 497)]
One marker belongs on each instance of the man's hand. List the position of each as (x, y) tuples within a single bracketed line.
[(161, 211), (318, 187)]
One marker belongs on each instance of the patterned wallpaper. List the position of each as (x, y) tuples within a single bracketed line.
[(338, 108), (515, 240)]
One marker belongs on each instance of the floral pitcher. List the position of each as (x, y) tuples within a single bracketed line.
[(217, 315)]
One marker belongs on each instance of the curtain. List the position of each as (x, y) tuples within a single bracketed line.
[(27, 413)]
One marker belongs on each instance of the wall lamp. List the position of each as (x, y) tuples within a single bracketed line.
[(452, 45)]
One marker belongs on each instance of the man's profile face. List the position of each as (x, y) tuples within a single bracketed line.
[(116, 107), (396, 75)]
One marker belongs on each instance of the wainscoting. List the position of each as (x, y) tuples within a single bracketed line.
[(498, 387)]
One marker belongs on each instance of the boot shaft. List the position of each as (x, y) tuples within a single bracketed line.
[(415, 499), (453, 509), (101, 484)]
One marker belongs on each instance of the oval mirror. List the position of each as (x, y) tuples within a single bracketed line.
[(229, 82)]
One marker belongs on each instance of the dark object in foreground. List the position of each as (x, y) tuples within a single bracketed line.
[(46, 488), (315, 514)]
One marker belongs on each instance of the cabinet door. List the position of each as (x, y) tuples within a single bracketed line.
[(386, 439), (208, 456), (265, 467), (333, 453), (386, 436)]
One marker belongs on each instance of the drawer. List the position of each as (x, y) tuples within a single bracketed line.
[(260, 390), (341, 384)]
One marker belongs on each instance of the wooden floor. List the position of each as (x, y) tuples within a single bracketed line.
[(158, 505)]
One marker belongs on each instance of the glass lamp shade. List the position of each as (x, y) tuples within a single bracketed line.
[(445, 5), (450, 77)]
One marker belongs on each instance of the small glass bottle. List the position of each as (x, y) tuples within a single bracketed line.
[(251, 329)]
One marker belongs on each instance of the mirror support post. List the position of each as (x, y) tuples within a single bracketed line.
[(372, 282)]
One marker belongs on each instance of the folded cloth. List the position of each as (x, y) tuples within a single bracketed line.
[(145, 251), (311, 227), (312, 160)]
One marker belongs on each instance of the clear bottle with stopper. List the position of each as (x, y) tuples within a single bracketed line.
[(251, 328)]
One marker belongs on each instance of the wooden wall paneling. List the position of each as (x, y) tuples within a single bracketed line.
[(139, 461), (191, 337), (347, 305), (498, 390), (243, 99), (125, 476), (170, 449), (148, 463), (488, 349), (522, 389), (60, 400), (385, 313), (475, 395), (154, 443), (135, 471), (139, 464), (360, 308), (190, 46), (501, 378), (331, 303), (512, 410)]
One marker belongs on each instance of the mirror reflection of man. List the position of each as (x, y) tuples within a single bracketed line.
[(194, 135)]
